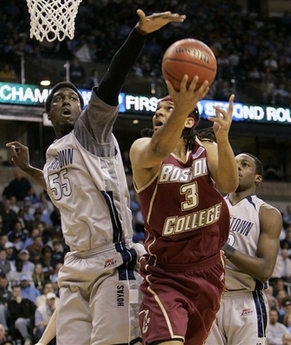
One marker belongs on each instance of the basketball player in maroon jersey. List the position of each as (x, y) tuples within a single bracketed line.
[(178, 178)]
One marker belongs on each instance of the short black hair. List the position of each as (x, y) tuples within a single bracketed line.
[(259, 164), (61, 85)]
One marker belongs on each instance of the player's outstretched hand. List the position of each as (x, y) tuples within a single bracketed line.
[(155, 21), (223, 119), (19, 154)]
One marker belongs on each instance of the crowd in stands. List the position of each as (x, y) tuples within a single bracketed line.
[(253, 52), (32, 251)]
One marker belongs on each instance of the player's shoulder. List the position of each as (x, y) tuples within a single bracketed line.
[(269, 207), (268, 210)]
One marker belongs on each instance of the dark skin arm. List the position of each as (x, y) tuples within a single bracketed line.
[(261, 266)]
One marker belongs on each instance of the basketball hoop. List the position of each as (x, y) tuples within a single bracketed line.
[(52, 19)]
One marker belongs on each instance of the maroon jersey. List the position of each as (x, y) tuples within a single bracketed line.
[(186, 218)]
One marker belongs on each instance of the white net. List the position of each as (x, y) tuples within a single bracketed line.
[(52, 19)]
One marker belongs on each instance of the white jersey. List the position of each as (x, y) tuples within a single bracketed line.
[(85, 179), (244, 236)]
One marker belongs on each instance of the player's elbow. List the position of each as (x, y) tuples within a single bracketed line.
[(265, 275), (228, 186)]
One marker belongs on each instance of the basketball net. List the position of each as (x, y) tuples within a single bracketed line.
[(52, 19)]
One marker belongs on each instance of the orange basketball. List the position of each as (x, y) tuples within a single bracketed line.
[(191, 57)]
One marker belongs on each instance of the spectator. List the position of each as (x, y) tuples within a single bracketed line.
[(27, 288), (46, 260), (283, 266), (21, 311), (93, 79), (13, 204), (17, 242), (58, 253), (276, 329), (46, 207), (281, 296), (278, 285), (5, 265), (286, 339), (17, 230), (38, 277), (286, 304), (48, 288), (8, 74), (43, 314), (287, 321), (54, 278), (29, 240), (285, 243), (282, 96), (3, 240), (28, 266), (18, 187), (28, 214), (5, 297), (77, 73), (287, 216), (35, 250), (4, 340), (8, 216), (20, 217), (272, 301), (11, 252), (14, 275)]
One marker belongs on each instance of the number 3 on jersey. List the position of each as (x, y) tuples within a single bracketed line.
[(191, 196)]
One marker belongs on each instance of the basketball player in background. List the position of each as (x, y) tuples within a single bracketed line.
[(251, 253), (186, 217), (85, 178)]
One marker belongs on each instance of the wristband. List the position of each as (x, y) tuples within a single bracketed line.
[(228, 250)]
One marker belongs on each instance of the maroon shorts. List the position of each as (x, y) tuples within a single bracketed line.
[(180, 302)]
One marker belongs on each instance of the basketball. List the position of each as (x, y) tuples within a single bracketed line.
[(191, 57)]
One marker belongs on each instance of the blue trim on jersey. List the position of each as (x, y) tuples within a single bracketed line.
[(116, 226), (261, 311), (129, 256), (259, 285), (250, 200)]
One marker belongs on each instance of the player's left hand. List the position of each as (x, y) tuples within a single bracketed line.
[(155, 21), (223, 119)]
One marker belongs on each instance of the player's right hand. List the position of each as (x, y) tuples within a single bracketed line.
[(19, 154)]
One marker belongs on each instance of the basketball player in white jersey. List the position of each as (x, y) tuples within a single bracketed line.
[(251, 253), (84, 177)]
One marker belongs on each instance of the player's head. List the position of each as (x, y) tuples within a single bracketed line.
[(258, 163), (250, 170), (57, 87), (188, 133), (194, 114), (63, 106)]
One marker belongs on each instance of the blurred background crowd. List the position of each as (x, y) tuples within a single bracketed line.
[(253, 51)]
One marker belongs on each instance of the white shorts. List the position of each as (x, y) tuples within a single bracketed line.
[(241, 320), (99, 299)]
